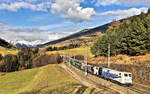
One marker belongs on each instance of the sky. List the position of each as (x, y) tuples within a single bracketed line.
[(47, 20)]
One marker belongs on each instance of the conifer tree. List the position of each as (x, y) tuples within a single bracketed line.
[(132, 37)]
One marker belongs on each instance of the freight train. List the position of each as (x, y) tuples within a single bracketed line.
[(123, 78)]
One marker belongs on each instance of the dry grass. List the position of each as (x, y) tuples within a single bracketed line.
[(2, 48), (4, 51), (50, 79), (11, 83), (123, 59), (73, 52)]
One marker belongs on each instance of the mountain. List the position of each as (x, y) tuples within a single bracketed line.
[(5, 44), (84, 32), (25, 44), (130, 37)]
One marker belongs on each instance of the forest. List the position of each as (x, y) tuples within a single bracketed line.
[(129, 37)]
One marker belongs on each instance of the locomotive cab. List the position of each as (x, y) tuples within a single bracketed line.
[(127, 78)]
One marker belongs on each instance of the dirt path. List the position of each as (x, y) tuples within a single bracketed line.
[(82, 80)]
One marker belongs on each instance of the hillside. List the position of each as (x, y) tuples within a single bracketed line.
[(5, 51), (50, 79), (129, 48), (6, 48), (90, 33), (5, 44), (85, 32)]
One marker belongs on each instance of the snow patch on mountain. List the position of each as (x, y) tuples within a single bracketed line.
[(24, 43)]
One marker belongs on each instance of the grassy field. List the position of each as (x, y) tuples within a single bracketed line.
[(75, 51), (8, 51), (50, 79), (11, 83)]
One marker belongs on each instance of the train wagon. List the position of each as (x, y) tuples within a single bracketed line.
[(76, 63), (90, 68), (97, 70)]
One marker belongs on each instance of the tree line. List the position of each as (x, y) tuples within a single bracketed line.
[(26, 58), (71, 46), (130, 37)]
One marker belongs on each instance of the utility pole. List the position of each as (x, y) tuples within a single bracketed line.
[(74, 57), (108, 55), (70, 59), (85, 60)]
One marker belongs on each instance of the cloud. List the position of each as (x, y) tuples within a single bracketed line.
[(11, 33), (119, 14), (15, 33), (29, 1), (57, 34), (68, 9), (71, 9), (15, 6), (146, 2), (106, 2), (54, 26), (122, 2)]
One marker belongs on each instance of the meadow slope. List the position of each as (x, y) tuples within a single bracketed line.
[(6, 51), (50, 79), (73, 52)]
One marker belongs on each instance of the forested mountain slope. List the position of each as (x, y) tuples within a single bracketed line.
[(131, 37)]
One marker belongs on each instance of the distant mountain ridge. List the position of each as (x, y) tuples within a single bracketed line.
[(84, 32), (25, 44), (19, 43)]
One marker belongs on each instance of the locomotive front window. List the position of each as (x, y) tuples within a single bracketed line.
[(130, 75), (125, 75), (119, 73)]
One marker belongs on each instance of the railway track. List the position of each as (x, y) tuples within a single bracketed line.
[(135, 89), (83, 80), (141, 89), (145, 87)]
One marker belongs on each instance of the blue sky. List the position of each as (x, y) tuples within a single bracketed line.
[(47, 20)]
